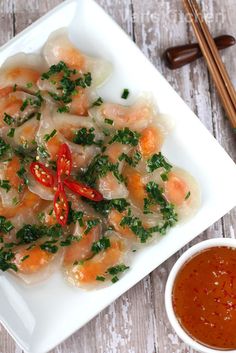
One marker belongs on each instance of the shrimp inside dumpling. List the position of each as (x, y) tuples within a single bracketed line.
[(72, 75), (59, 48), (21, 72), (109, 186), (17, 107), (136, 117), (182, 190), (36, 265), (63, 128), (80, 249), (86, 274)]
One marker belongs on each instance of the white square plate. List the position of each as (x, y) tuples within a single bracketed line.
[(42, 316)]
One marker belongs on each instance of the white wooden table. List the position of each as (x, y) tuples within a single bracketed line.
[(137, 322)]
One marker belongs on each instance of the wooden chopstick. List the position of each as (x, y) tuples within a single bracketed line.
[(224, 86), (215, 53)]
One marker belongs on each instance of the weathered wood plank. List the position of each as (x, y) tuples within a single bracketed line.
[(121, 328), (26, 12), (6, 21)]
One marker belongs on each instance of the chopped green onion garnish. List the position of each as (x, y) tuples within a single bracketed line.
[(47, 137), (11, 132), (109, 121), (125, 93), (188, 195)]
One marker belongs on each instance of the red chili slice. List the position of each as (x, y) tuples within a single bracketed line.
[(64, 162), (42, 174), (84, 190), (61, 207)]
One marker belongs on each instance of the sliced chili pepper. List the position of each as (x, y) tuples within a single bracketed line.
[(61, 207), (42, 174), (64, 162), (84, 190)]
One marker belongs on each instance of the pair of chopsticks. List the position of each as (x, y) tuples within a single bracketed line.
[(216, 67)]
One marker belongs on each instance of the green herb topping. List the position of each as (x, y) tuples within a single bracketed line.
[(11, 132), (8, 119), (164, 176), (4, 147), (67, 86), (155, 196), (6, 260), (29, 85), (91, 223), (105, 206), (63, 109), (158, 161), (24, 258), (98, 102), (55, 69), (109, 121), (75, 216), (115, 279), (115, 270), (126, 137), (24, 105), (125, 94), (188, 195), (42, 152), (50, 246), (22, 174), (135, 224), (5, 225), (47, 137), (85, 137), (100, 245), (132, 161), (5, 184), (99, 167), (30, 233)]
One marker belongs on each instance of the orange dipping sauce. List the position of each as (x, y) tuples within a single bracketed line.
[(204, 297)]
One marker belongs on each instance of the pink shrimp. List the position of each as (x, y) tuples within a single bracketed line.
[(79, 100), (29, 201), (135, 117), (9, 105), (81, 249), (175, 189), (151, 141), (59, 48), (5, 91), (32, 260), (21, 72), (12, 104), (80, 103), (109, 185), (114, 219), (88, 272), (21, 76), (135, 186)]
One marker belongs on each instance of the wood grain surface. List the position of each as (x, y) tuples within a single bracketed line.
[(137, 322)]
